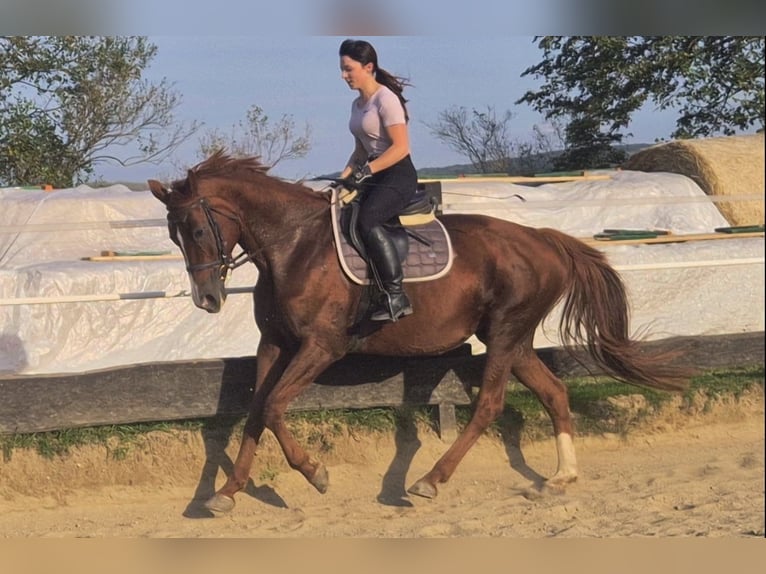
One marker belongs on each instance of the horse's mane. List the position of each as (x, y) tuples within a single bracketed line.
[(220, 163)]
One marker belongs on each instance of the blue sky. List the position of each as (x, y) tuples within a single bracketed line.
[(220, 77), (228, 55)]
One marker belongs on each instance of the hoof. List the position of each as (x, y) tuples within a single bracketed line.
[(533, 492), (554, 488), (220, 503), (321, 479), (557, 484), (561, 480), (423, 488)]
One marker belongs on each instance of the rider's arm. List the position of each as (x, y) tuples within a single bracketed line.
[(397, 151), (358, 157)]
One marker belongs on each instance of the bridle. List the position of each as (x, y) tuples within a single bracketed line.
[(225, 262)]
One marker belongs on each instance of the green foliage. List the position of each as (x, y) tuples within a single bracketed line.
[(373, 419), (732, 381), (69, 103), (716, 83), (116, 438), (268, 474), (589, 402)]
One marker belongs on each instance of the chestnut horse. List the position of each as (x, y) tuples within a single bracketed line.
[(505, 279)]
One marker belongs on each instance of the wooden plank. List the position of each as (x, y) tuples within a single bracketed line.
[(447, 422), (59, 226), (199, 389), (704, 352), (138, 295), (666, 238), (670, 238), (131, 258), (662, 238), (518, 179)]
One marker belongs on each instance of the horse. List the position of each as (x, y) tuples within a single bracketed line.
[(506, 278)]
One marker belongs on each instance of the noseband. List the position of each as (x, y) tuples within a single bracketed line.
[(225, 262)]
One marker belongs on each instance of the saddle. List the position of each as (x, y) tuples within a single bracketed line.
[(421, 240)]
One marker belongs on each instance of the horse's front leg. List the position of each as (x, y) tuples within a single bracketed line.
[(271, 361), (303, 369)]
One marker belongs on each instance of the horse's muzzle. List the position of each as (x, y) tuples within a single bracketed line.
[(209, 297), (211, 304)]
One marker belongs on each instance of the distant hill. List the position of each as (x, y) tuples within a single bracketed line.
[(542, 163)]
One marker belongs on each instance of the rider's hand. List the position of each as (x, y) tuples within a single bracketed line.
[(360, 175)]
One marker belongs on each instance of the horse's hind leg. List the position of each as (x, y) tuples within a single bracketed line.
[(552, 393), (489, 406)]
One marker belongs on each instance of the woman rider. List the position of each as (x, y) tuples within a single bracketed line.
[(381, 164)]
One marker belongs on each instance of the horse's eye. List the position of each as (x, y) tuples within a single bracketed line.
[(198, 234)]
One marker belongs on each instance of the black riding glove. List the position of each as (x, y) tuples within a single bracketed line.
[(360, 175)]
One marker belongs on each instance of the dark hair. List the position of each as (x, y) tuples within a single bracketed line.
[(364, 53)]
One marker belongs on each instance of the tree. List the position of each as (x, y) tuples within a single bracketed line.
[(487, 143), (258, 137), (484, 138), (70, 103), (596, 83), (540, 153)]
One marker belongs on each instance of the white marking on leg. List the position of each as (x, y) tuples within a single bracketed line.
[(567, 467)]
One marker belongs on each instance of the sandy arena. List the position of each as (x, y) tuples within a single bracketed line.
[(677, 476)]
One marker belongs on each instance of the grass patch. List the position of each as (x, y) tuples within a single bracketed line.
[(268, 474), (601, 404), (523, 416), (729, 382), (116, 439), (369, 420)]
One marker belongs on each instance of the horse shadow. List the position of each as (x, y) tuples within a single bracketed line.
[(216, 434), (421, 379)]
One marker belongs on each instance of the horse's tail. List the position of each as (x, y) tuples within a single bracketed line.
[(595, 315)]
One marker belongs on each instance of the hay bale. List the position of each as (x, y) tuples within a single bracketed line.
[(722, 166)]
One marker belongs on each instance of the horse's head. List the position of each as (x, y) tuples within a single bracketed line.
[(206, 229)]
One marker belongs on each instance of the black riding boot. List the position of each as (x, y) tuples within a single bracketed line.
[(382, 251)]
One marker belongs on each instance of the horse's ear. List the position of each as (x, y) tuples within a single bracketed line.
[(160, 191)]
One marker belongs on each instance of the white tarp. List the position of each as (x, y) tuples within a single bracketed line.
[(700, 288)]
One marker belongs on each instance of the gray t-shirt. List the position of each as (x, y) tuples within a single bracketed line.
[(368, 119)]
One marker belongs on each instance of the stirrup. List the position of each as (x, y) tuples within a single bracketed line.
[(386, 311)]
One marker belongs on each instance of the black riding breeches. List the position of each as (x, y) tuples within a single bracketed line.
[(385, 194)]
